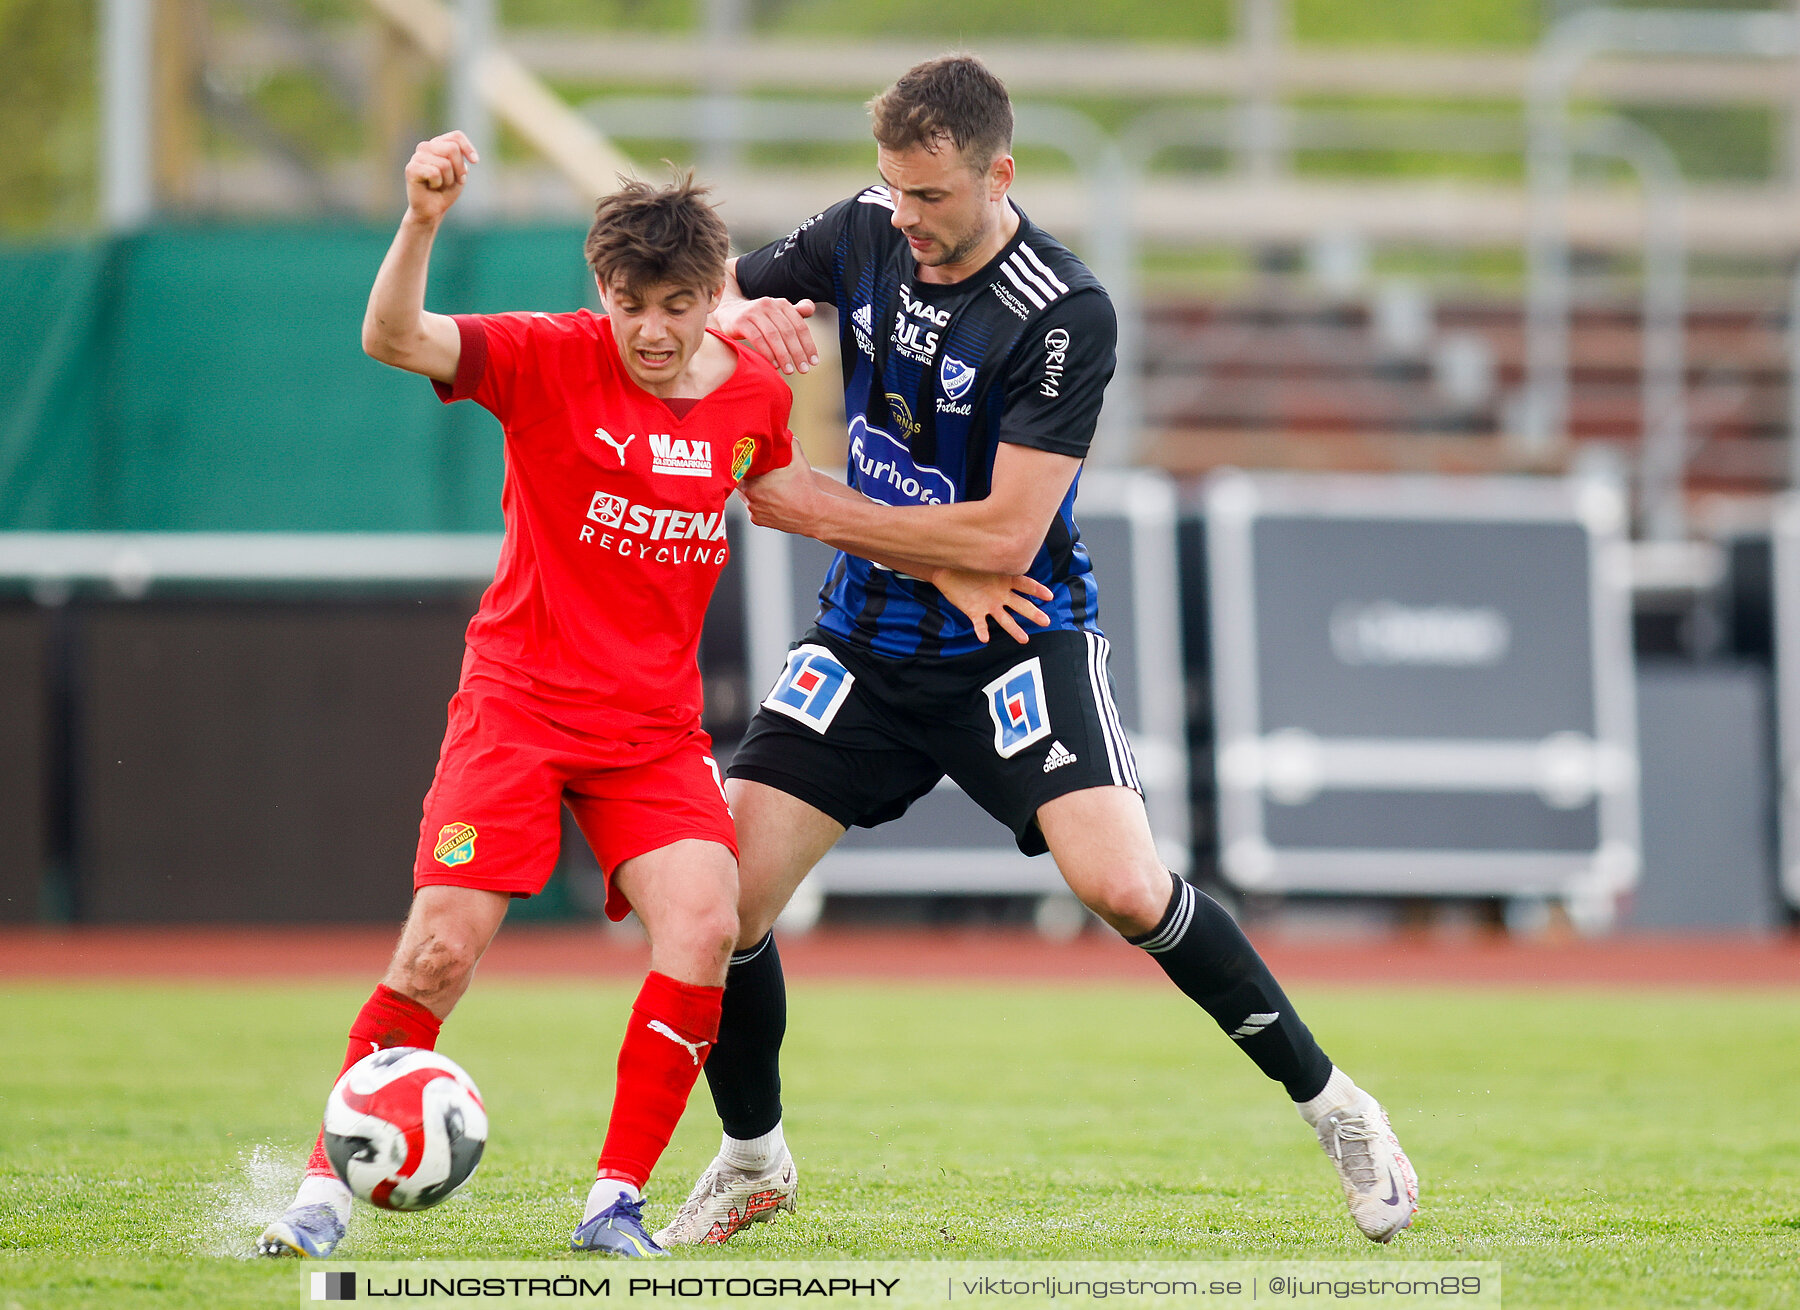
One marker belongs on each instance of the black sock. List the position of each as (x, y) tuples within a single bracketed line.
[(1206, 954), (744, 1069)]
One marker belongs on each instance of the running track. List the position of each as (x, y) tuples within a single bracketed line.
[(358, 953)]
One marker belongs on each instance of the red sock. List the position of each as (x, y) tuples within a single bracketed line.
[(388, 1018), (656, 1072)]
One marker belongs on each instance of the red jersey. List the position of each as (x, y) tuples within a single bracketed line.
[(615, 519)]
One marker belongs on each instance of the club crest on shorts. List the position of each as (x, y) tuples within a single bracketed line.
[(741, 455), (455, 844), (1015, 702), (812, 688)]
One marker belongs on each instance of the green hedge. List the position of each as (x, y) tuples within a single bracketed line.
[(189, 379)]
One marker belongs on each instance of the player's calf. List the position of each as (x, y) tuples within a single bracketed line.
[(1207, 956)]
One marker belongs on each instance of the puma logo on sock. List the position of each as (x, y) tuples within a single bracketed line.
[(693, 1048)]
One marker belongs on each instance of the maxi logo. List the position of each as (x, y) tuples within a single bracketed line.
[(886, 471), (1015, 702), (812, 688), (688, 459)]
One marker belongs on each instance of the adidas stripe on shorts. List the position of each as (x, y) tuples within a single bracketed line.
[(861, 737)]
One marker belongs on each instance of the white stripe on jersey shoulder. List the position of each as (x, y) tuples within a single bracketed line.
[(1018, 266), (1044, 268), (1027, 289), (876, 195)]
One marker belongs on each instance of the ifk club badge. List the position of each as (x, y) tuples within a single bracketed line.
[(455, 844), (741, 455)]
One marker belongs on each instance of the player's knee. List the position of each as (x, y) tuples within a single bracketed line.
[(697, 947), (707, 932), (716, 931), (434, 967), (1129, 902)]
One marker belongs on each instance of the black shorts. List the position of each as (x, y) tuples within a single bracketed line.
[(861, 736)]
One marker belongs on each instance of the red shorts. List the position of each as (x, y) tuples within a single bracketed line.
[(493, 815)]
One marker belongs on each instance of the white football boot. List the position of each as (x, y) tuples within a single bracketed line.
[(314, 1224), (1379, 1182), (728, 1198)]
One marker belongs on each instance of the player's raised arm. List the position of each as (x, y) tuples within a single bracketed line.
[(774, 328), (397, 329)]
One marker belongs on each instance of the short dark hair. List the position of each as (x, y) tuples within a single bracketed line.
[(951, 98), (645, 235)]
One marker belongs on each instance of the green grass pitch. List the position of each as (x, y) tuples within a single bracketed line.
[(1608, 1149)]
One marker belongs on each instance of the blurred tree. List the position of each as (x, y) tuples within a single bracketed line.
[(626, 15), (47, 116)]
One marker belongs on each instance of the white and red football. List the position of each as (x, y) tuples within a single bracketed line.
[(405, 1128)]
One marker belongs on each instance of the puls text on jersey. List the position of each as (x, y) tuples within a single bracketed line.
[(912, 337)]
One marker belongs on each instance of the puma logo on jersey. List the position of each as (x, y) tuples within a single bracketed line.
[(689, 459), (693, 1048), (619, 446)]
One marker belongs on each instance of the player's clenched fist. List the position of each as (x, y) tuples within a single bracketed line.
[(435, 174)]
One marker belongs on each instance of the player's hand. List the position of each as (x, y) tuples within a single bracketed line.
[(436, 173), (785, 499), (998, 598), (775, 329)]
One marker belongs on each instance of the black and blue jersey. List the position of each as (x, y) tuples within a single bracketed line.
[(935, 377)]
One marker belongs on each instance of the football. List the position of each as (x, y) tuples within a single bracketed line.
[(405, 1128)]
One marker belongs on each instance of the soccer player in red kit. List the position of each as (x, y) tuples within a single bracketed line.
[(625, 434)]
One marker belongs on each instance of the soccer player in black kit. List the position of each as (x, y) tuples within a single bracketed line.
[(976, 349)]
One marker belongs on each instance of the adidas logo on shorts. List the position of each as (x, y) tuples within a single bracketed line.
[(1059, 755)]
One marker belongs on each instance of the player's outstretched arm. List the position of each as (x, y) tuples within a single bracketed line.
[(1001, 599), (397, 329), (774, 328), (1001, 533)]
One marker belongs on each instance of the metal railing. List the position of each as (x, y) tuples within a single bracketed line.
[(1572, 44)]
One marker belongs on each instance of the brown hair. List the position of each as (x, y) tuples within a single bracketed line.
[(646, 235), (952, 98)]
